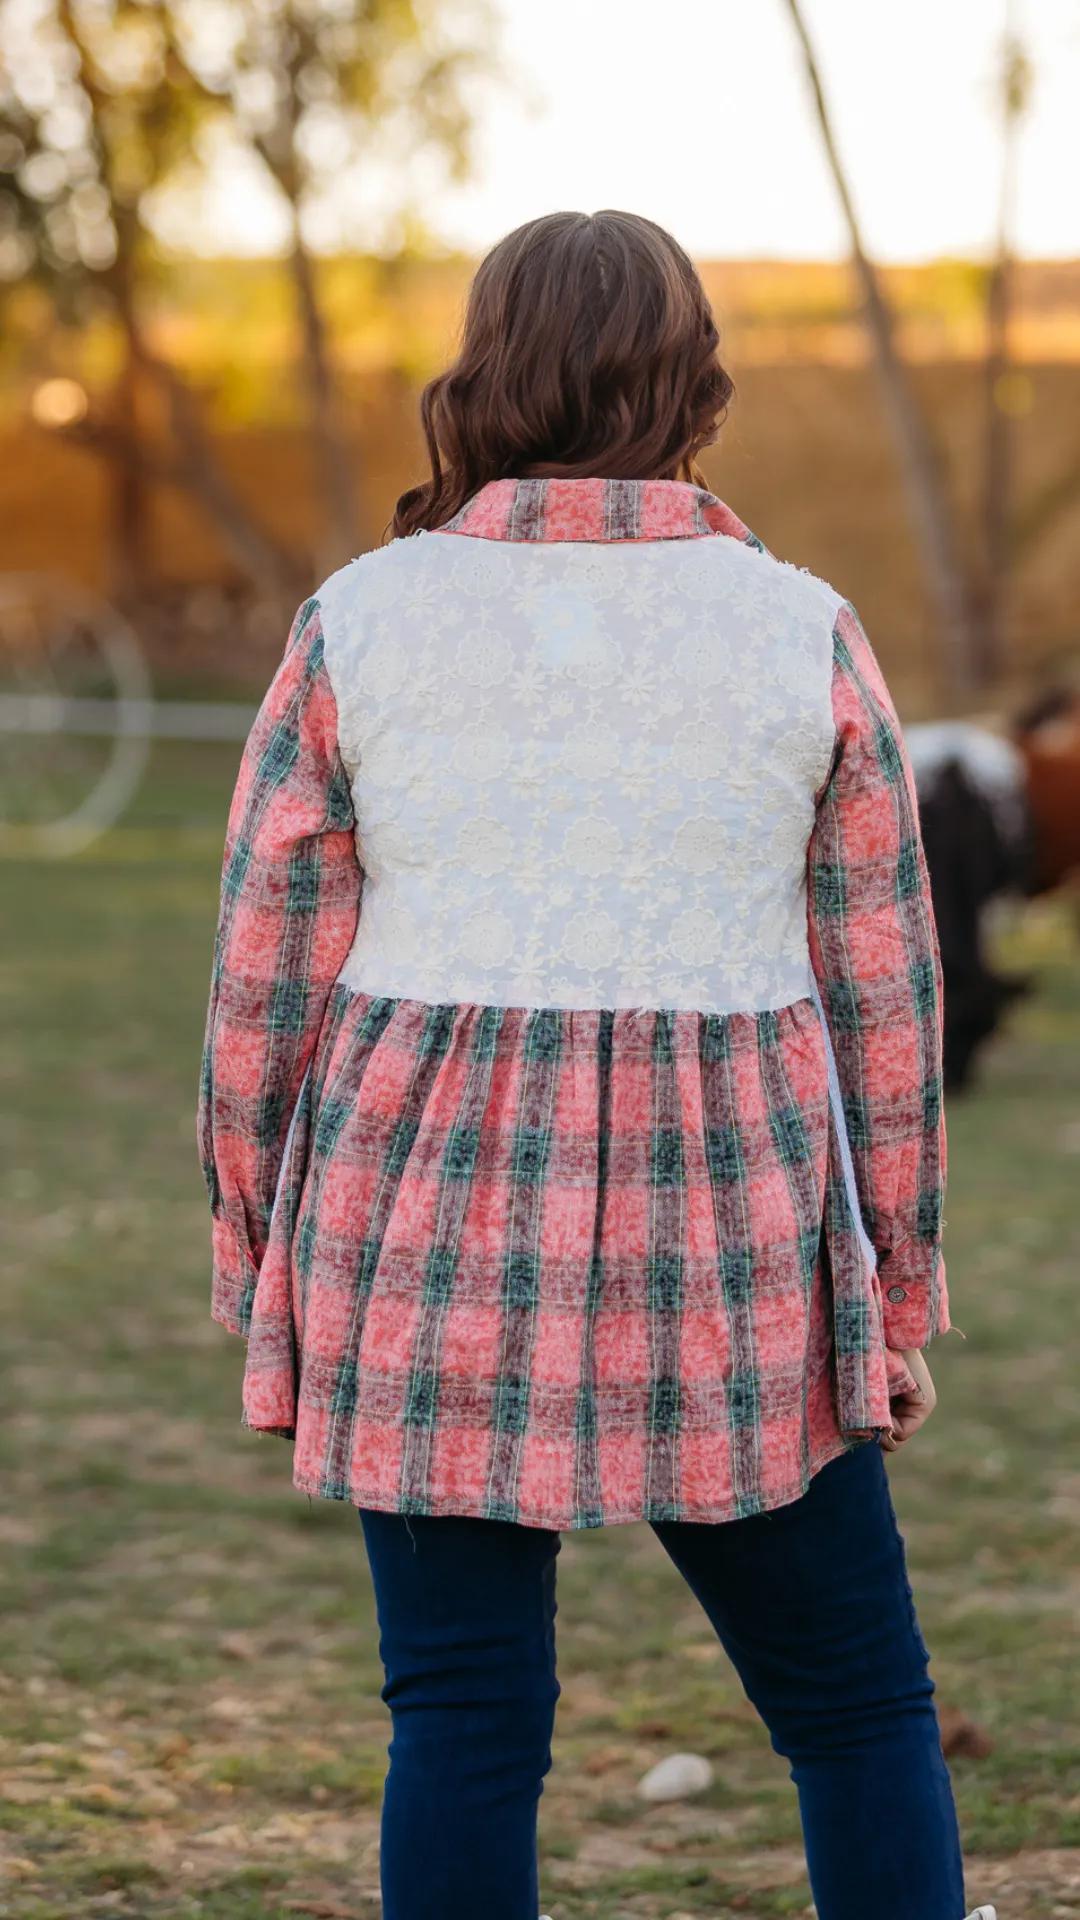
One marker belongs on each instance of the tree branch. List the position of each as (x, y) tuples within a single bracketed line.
[(112, 443), (1040, 515)]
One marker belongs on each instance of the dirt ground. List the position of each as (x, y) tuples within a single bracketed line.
[(190, 1720)]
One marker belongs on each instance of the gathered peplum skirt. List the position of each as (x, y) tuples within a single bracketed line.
[(565, 1268)]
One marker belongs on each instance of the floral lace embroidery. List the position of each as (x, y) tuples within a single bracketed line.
[(583, 774)]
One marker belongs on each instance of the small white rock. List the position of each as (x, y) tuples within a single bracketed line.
[(677, 1778)]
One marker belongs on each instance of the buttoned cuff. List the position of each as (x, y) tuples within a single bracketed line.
[(234, 1281), (914, 1298)]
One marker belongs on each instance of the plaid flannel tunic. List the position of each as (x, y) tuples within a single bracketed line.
[(569, 1267)]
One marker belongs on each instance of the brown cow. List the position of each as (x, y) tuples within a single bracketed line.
[(1048, 738)]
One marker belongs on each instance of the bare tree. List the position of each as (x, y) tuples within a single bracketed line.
[(928, 498), (323, 93), (104, 102), (96, 105)]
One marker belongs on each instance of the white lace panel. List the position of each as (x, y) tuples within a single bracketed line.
[(583, 774)]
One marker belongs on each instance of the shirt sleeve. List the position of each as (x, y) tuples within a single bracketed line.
[(290, 894), (874, 952)]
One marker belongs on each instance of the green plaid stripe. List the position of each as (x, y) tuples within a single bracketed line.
[(588, 1498), (533, 1143), (664, 1275), (421, 1405), (734, 1237)]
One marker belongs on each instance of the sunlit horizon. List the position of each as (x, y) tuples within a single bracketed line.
[(704, 123)]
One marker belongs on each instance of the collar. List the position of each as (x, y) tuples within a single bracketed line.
[(550, 510)]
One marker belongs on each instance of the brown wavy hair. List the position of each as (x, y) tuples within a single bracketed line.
[(589, 351)]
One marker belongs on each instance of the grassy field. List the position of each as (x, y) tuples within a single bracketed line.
[(189, 1677)]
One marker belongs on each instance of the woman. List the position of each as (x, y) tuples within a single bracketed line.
[(561, 826)]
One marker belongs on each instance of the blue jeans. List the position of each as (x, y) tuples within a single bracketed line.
[(813, 1606)]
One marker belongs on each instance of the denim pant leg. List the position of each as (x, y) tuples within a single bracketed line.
[(467, 1638), (813, 1606)]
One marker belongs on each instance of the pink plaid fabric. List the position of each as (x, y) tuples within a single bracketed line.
[(290, 892), (596, 510), (568, 1268)]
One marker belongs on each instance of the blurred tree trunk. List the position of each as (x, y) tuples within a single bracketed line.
[(928, 499), (195, 467), (128, 568), (333, 453), (999, 404), (332, 449), (318, 88), (997, 478)]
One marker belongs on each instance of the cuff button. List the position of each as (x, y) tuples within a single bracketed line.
[(896, 1294)]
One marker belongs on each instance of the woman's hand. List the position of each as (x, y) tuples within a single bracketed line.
[(910, 1410)]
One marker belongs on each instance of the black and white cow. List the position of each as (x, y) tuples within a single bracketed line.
[(978, 833)]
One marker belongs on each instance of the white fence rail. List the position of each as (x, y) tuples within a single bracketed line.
[(78, 716), (46, 713)]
